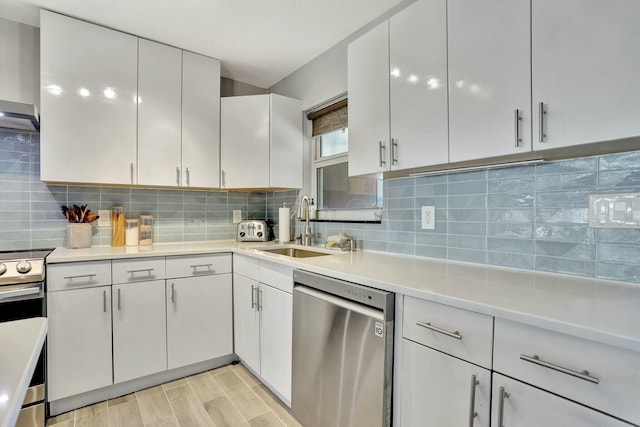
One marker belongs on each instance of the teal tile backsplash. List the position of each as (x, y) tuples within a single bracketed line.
[(531, 217)]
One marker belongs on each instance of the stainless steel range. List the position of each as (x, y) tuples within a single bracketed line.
[(22, 296)]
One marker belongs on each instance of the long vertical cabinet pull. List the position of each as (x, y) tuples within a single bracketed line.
[(394, 151), (173, 293), (541, 113), (381, 152), (253, 296), (119, 305), (472, 403), (104, 301), (502, 395), (224, 176), (177, 175), (132, 174), (188, 177), (517, 120), (259, 298)]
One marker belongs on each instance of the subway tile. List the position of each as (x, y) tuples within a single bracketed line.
[(399, 203), (619, 271), (400, 237), (431, 179), (559, 215), (467, 242), (510, 200), (563, 199), (431, 251), (401, 226), (467, 255), (375, 234), (400, 191), (510, 260), (566, 249), (619, 235), (400, 248), (572, 181), (401, 215), (467, 201), (565, 232), (585, 164), (468, 228), (512, 172), (510, 230), (565, 265), (375, 245), (510, 215), (620, 181), (514, 185), (22, 224), (480, 175), (620, 161), (619, 253), (510, 245), (439, 202), (431, 239), (467, 215), (431, 190), (468, 187)]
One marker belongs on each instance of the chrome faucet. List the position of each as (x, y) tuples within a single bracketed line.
[(306, 237)]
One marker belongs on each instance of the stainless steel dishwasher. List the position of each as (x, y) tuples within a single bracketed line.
[(342, 352)]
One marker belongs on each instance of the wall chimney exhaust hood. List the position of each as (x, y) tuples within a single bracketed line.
[(17, 115)]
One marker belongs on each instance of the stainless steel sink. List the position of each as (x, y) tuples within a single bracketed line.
[(294, 252)]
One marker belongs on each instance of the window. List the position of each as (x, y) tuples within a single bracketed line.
[(337, 196)]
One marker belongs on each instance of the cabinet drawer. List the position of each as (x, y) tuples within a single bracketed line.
[(247, 266), (277, 275), (556, 362), (198, 265), (457, 332), (137, 270), (77, 275)]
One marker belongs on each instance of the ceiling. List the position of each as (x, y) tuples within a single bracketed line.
[(258, 41)]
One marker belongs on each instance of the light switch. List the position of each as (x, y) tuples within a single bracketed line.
[(619, 210)]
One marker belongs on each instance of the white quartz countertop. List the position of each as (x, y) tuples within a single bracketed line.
[(596, 309), (20, 344)]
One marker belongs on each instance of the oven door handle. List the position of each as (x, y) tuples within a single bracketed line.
[(20, 292)]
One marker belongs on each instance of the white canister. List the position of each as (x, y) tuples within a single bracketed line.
[(131, 232)]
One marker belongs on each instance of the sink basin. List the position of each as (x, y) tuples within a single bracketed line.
[(294, 252)]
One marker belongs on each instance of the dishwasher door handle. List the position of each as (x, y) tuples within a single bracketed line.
[(342, 303)]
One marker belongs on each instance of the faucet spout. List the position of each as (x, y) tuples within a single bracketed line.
[(306, 241)]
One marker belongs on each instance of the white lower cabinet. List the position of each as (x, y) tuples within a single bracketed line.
[(246, 321), (517, 404), (139, 330), (440, 390), (199, 318), (79, 355)]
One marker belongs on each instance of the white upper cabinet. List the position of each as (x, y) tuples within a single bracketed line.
[(159, 91), (200, 121), (261, 142), (418, 85), (368, 83), (586, 57), (88, 102), (397, 81), (489, 78)]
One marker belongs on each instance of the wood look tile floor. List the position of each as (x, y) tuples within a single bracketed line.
[(227, 396)]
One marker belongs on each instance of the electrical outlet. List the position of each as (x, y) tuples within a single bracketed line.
[(619, 210), (237, 216), (428, 217), (105, 218)]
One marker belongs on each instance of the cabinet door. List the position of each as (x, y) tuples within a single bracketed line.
[(368, 83), (285, 169), (139, 330), (200, 121), (528, 406), (88, 88), (79, 341), (418, 85), (585, 70), (437, 389), (159, 91), (244, 140), (199, 316), (276, 331), (246, 321), (489, 78)]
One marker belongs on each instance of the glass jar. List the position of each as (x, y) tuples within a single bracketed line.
[(146, 230), (131, 232), (117, 226)]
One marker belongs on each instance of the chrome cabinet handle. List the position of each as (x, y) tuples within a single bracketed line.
[(472, 404), (132, 173), (259, 298), (80, 276), (394, 151), (253, 299), (188, 177), (427, 325), (119, 305), (142, 270), (502, 395), (224, 178), (104, 301), (381, 152), (583, 375), (201, 265), (541, 113), (177, 175), (173, 293), (517, 120)]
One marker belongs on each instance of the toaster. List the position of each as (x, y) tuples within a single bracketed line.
[(252, 231)]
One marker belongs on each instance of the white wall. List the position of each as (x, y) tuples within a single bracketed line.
[(19, 62)]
